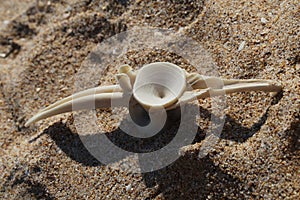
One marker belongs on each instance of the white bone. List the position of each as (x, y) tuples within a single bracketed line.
[(156, 85)]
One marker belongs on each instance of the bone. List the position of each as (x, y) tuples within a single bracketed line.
[(126, 69), (124, 82), (91, 91), (155, 86), (159, 84), (103, 100)]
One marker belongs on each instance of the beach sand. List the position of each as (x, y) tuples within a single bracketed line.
[(257, 155)]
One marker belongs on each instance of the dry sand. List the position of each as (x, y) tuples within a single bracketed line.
[(257, 156)]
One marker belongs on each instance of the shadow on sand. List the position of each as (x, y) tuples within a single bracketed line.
[(188, 177)]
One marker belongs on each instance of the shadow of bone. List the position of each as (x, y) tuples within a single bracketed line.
[(293, 135), (82, 148), (187, 177), (232, 129), (191, 178), (71, 144), (74, 145)]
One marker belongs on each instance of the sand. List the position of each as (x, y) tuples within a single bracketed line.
[(257, 155)]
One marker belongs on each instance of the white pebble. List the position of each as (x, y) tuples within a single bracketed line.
[(263, 20), (128, 187), (6, 22), (242, 45)]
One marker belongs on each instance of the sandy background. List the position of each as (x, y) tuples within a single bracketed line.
[(257, 156)]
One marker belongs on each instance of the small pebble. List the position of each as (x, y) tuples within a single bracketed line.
[(6, 22), (263, 20), (242, 45), (128, 187)]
